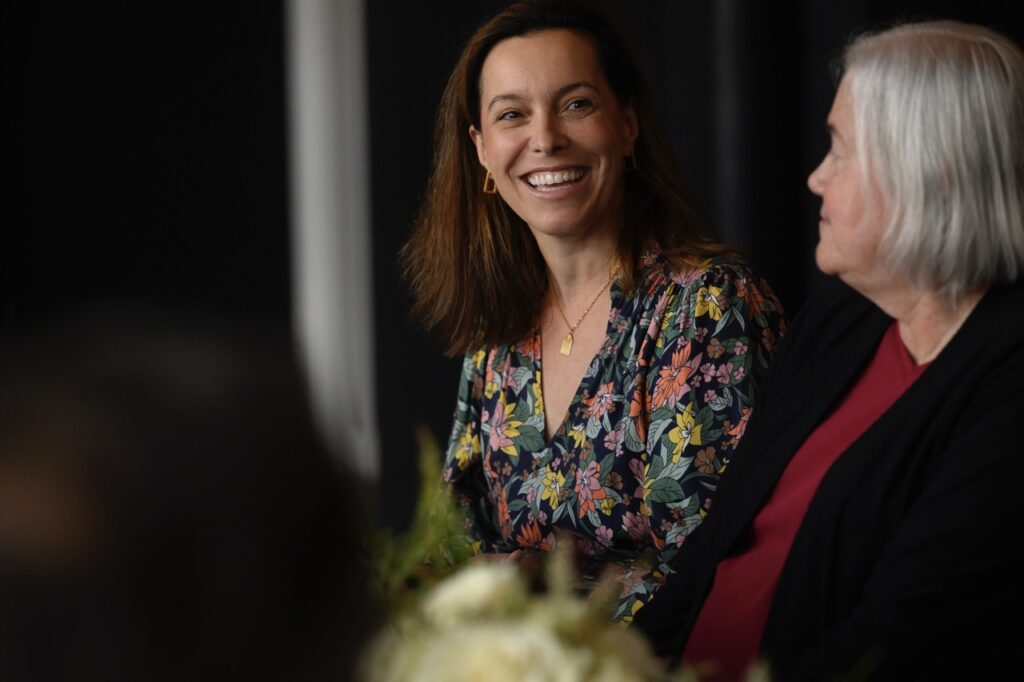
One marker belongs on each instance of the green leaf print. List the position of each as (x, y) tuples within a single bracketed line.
[(721, 401), (657, 429), (665, 490), (529, 439)]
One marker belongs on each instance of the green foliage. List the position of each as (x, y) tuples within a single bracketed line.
[(435, 543)]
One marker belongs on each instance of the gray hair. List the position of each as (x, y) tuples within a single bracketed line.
[(939, 115)]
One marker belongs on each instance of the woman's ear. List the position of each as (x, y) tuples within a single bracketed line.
[(478, 141), (632, 126)]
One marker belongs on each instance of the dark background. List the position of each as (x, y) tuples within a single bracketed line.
[(147, 157)]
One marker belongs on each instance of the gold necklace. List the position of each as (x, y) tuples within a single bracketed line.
[(567, 341)]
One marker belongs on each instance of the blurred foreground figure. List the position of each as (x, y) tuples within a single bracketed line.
[(166, 510), (872, 521)]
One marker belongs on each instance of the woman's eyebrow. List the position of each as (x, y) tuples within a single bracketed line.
[(513, 97)]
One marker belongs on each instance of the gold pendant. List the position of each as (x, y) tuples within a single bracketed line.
[(566, 344)]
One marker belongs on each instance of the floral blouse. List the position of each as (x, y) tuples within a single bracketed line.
[(633, 468)]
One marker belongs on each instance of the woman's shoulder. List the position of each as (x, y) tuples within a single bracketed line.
[(660, 270), (726, 280)]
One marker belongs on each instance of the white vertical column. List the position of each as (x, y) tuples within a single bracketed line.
[(330, 214)]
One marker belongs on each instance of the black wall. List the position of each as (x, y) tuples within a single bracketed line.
[(148, 156)]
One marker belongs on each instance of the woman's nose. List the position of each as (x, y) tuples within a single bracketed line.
[(816, 180), (548, 135)]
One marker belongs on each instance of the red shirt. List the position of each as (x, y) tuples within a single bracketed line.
[(728, 629)]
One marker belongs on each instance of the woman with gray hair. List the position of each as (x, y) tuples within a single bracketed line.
[(873, 527)]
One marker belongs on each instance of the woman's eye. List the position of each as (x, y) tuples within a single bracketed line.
[(508, 115), (578, 105)]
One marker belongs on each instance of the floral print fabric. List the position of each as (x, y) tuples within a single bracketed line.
[(633, 468)]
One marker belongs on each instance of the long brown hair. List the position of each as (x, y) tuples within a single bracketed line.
[(473, 265)]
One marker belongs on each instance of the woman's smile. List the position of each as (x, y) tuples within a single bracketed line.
[(557, 182)]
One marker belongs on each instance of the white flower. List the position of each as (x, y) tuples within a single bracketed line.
[(483, 625), (477, 591)]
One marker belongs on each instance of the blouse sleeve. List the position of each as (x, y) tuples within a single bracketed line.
[(463, 467), (717, 335)]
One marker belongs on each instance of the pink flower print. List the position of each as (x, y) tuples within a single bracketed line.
[(601, 401), (589, 488), (613, 441), (654, 327), (708, 371), (684, 322), (700, 334), (723, 373), (685, 276), (637, 525), (739, 373), (531, 495), (639, 471), (710, 395), (739, 348), (604, 535)]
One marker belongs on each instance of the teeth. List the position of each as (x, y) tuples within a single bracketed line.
[(555, 178)]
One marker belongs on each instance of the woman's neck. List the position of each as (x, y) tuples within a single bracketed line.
[(927, 321), (577, 268)]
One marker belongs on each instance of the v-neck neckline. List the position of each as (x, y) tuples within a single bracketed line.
[(615, 293)]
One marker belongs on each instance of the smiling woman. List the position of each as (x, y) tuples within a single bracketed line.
[(611, 346)]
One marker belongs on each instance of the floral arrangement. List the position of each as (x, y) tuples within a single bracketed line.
[(482, 623), (461, 620)]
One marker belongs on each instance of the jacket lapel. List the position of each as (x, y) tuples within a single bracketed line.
[(808, 389)]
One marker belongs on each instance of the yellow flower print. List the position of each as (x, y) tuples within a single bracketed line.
[(490, 388), (607, 505), (538, 400), (468, 448), (686, 432), (577, 434), (636, 606), (708, 302), (667, 319), (553, 483)]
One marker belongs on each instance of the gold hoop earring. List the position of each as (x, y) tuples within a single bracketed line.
[(629, 164), (490, 187)]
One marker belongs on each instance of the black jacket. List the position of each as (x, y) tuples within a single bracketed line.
[(909, 561)]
